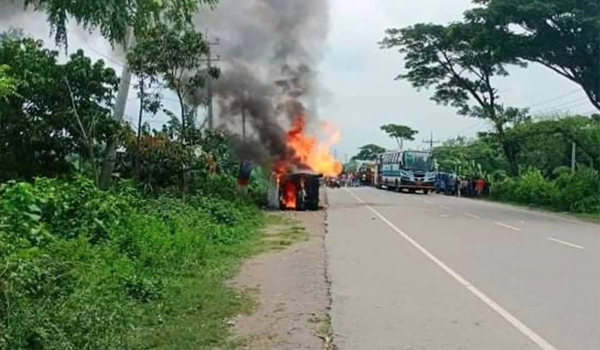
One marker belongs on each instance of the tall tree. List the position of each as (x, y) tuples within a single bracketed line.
[(58, 110), (368, 152), (399, 133), (116, 20), (178, 57), (459, 62), (560, 34)]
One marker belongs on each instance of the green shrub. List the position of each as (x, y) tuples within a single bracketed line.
[(82, 267), (504, 190), (577, 191), (534, 189)]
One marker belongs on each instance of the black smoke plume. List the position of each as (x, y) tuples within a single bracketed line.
[(268, 52)]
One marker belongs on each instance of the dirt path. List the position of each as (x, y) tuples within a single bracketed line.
[(290, 287)]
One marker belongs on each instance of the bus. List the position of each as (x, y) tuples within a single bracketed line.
[(410, 170)]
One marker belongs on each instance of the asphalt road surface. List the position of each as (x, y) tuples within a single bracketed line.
[(430, 272)]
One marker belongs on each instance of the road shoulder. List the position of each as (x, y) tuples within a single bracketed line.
[(289, 285)]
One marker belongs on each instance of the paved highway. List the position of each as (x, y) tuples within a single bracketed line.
[(411, 271)]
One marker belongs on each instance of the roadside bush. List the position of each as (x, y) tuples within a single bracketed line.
[(534, 189), (577, 191), (81, 267), (504, 190)]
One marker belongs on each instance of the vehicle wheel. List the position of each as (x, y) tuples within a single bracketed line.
[(411, 190), (425, 191)]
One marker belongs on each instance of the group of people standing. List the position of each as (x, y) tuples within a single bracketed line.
[(349, 179), (462, 186), (472, 187)]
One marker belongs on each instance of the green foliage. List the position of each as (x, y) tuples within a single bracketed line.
[(86, 269), (541, 144), (41, 123), (177, 55), (577, 192), (8, 84), (472, 158), (368, 152), (207, 164), (543, 149), (560, 34), (260, 180), (113, 18), (458, 61), (580, 191), (533, 189)]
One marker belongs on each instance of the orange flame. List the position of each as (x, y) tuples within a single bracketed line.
[(289, 195), (310, 152)]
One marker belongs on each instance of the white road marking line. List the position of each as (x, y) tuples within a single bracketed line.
[(473, 216), (445, 216), (445, 207), (533, 336), (427, 202), (566, 243), (507, 226)]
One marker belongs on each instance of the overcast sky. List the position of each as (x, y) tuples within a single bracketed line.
[(359, 92)]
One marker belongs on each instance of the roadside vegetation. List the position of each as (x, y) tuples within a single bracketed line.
[(136, 257), (526, 156), (543, 150), (87, 269)]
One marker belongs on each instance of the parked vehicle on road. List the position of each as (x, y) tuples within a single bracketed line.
[(406, 170)]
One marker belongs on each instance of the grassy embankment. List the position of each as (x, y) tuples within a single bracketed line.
[(85, 269)]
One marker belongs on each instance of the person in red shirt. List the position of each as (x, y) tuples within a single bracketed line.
[(479, 185)]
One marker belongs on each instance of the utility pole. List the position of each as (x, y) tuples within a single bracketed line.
[(573, 154), (108, 164), (244, 123), (209, 91), (244, 115), (431, 142)]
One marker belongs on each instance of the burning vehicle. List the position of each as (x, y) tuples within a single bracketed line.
[(307, 161), (299, 191)]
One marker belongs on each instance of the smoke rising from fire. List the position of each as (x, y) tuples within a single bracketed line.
[(269, 50)]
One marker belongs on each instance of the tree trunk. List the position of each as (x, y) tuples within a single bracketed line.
[(509, 152)]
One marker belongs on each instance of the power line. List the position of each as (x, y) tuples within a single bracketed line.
[(559, 97), (564, 106), (478, 124), (103, 55), (546, 108)]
